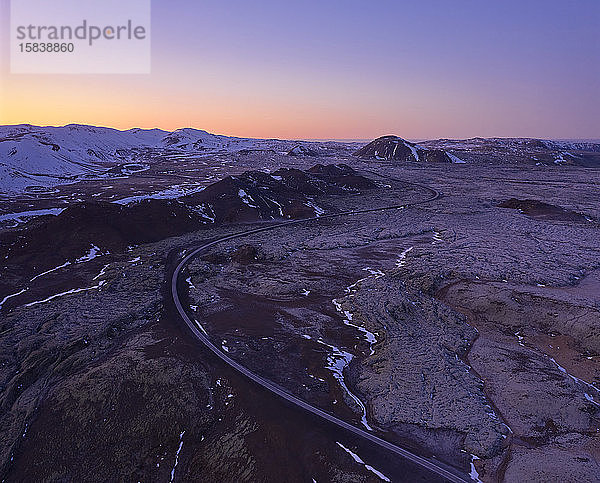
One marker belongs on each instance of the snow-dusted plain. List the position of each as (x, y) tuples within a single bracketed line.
[(45, 169), (36, 159)]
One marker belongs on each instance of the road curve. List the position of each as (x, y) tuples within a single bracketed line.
[(436, 467)]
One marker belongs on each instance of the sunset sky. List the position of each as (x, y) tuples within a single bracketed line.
[(341, 70)]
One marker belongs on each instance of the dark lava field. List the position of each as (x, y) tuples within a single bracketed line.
[(451, 307)]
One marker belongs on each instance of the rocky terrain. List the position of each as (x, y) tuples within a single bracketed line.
[(87, 229), (398, 149), (521, 151), (466, 328), (285, 193), (520, 336)]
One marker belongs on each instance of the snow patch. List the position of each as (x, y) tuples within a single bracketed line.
[(401, 261), (66, 264), (337, 361), (473, 473), (368, 335), (317, 209), (23, 216), (359, 460), (203, 211), (68, 292), (413, 149), (93, 252), (455, 159), (8, 297), (177, 455), (581, 382), (247, 199)]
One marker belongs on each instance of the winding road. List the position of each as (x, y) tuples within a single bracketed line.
[(436, 467)]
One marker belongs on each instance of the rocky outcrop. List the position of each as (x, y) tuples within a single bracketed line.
[(398, 149), (285, 193), (49, 241), (541, 210), (245, 254), (418, 332), (301, 150)]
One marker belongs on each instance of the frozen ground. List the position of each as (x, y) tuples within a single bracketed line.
[(37, 159), (456, 328)]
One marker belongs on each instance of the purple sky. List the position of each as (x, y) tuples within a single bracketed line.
[(333, 69)]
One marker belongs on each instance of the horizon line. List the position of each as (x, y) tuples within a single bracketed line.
[(324, 139)]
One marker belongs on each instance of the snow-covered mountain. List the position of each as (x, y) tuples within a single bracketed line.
[(48, 156)]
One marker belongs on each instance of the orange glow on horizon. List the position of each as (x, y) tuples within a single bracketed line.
[(346, 73)]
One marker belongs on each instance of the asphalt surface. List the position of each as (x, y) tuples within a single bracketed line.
[(436, 467)]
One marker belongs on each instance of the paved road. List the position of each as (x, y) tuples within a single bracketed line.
[(434, 466)]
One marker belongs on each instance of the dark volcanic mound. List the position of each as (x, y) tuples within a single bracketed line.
[(341, 175), (47, 242), (541, 210), (435, 156), (398, 149), (285, 193), (249, 197)]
